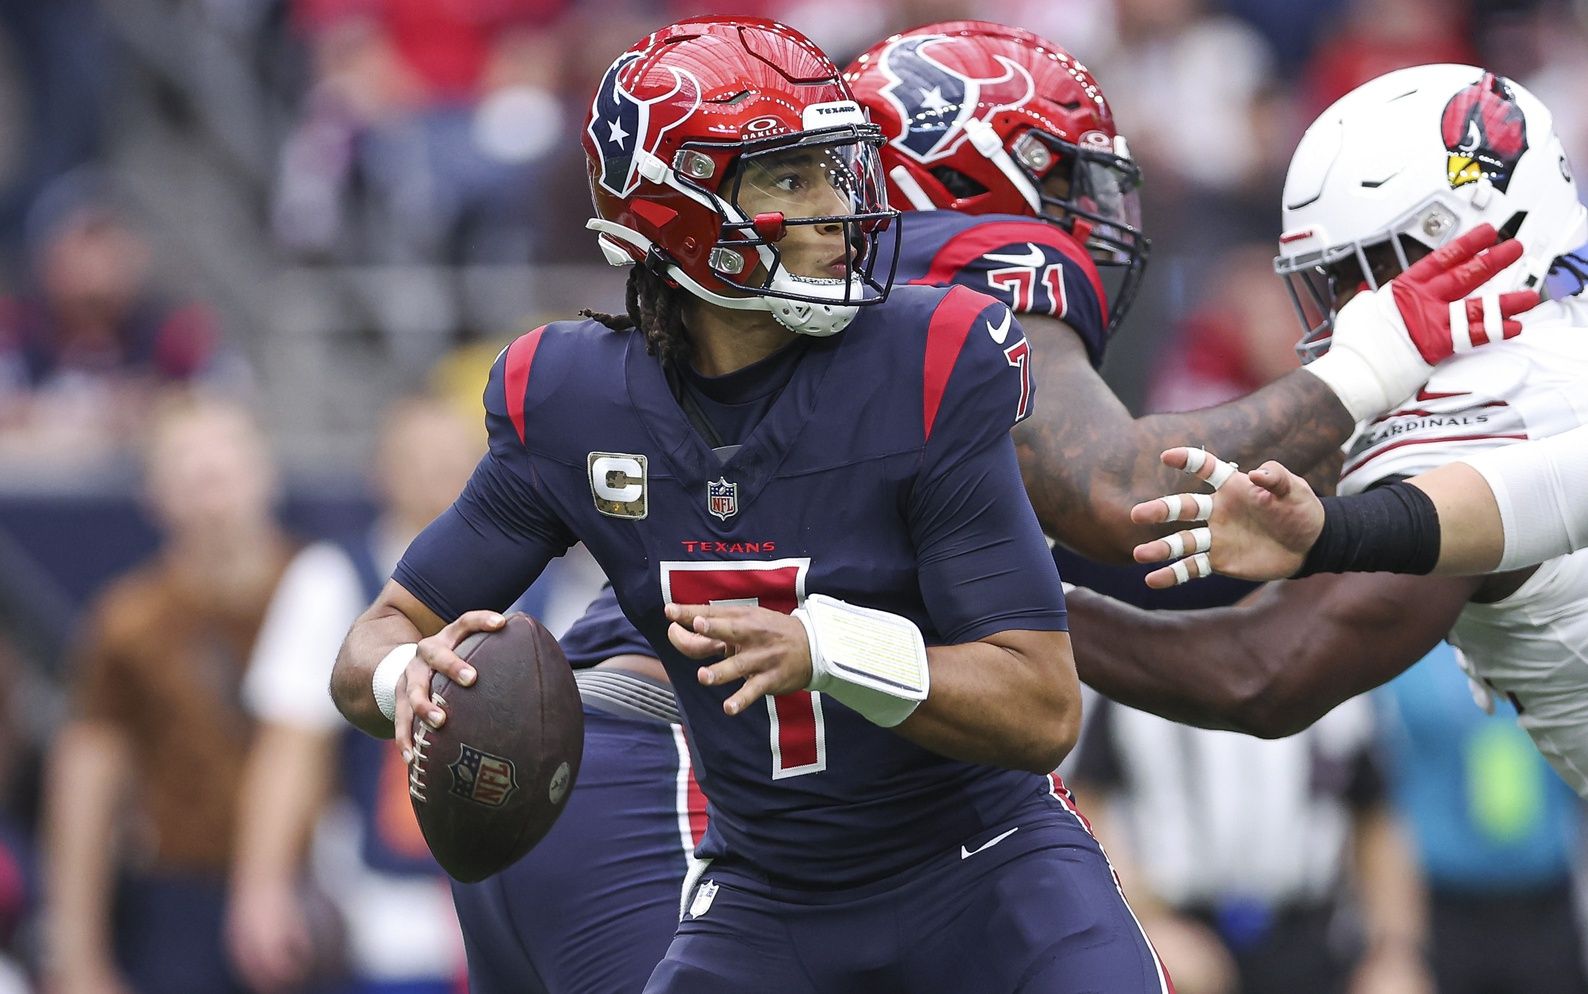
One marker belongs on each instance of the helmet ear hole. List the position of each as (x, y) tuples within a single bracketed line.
[(960, 186)]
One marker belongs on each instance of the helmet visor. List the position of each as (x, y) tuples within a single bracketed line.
[(801, 215), (811, 182)]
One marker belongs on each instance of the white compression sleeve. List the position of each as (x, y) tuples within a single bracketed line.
[(1540, 488)]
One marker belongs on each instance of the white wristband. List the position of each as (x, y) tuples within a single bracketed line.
[(872, 661), (387, 671)]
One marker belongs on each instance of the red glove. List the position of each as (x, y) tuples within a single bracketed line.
[(1386, 343)]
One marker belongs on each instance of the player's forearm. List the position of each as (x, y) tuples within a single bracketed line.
[(1087, 462), (1271, 665), (1296, 419), (1526, 498), (1471, 536), (1139, 659), (89, 775), (1011, 700), (396, 617)]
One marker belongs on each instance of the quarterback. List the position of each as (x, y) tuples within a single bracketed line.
[(880, 816)]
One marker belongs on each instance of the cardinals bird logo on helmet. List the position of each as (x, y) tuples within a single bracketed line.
[(1485, 133), (935, 100)]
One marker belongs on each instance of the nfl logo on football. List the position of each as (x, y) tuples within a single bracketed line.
[(482, 778), (722, 498)]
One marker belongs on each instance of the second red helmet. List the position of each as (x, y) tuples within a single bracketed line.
[(990, 119)]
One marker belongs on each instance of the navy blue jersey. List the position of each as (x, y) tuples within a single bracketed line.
[(884, 475), (1033, 266), (601, 633)]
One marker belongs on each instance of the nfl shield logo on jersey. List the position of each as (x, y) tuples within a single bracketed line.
[(722, 498), (482, 778)]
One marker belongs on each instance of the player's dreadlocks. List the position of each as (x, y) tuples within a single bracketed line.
[(656, 309)]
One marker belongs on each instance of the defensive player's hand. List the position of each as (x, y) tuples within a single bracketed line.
[(767, 649), (1260, 525), (1386, 343), (436, 655)]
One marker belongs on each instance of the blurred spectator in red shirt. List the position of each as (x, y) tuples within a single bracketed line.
[(444, 49), (1380, 36)]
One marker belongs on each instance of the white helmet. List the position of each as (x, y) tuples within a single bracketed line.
[(1424, 154)]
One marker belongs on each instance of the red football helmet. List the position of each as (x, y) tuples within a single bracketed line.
[(715, 112), (989, 119)]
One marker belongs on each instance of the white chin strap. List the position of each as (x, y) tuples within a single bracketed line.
[(805, 317), (819, 319)]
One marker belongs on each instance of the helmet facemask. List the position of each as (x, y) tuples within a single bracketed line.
[(1092, 190), (1321, 282)]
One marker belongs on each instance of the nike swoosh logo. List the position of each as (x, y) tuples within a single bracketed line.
[(1000, 331), (968, 853), (1032, 258)]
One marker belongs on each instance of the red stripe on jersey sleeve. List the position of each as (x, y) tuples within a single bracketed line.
[(515, 376), (972, 243), (945, 339)]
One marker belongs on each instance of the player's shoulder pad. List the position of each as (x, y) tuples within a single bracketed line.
[(539, 367), (1032, 266), (975, 371)]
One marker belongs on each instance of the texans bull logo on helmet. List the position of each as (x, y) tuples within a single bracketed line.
[(1484, 132), (621, 123), (935, 100)]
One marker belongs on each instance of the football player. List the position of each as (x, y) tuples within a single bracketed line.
[(1397, 167), (790, 512)]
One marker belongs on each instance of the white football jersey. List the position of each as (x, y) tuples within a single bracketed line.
[(1533, 645)]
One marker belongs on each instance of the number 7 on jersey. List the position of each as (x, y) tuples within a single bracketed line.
[(798, 736)]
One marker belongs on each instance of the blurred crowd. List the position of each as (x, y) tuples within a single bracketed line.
[(232, 231)]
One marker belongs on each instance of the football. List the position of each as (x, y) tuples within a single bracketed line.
[(490, 782)]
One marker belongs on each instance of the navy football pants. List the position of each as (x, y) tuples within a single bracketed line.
[(592, 908), (1037, 911)]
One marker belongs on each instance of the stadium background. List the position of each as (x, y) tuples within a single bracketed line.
[(318, 204)]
